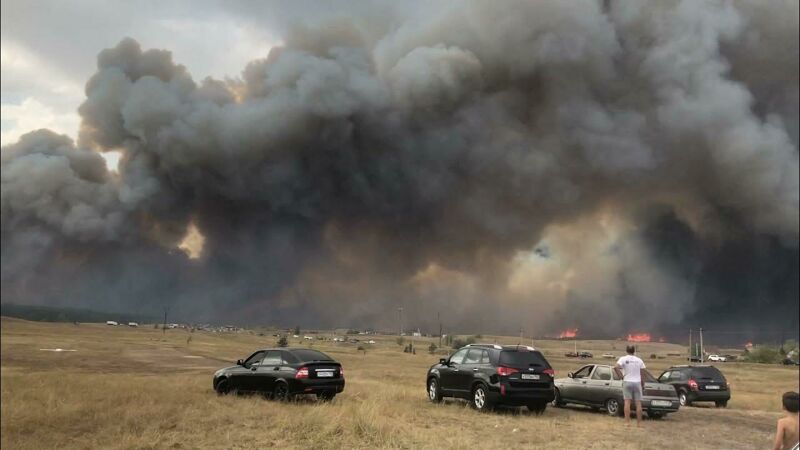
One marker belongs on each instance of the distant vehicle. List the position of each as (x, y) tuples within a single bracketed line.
[(717, 358), (295, 335), (584, 354), (608, 355), (695, 358), (698, 384), (571, 355), (370, 341), (282, 373), (133, 324), (308, 338), (600, 386), (111, 322), (489, 375), (172, 326), (790, 362)]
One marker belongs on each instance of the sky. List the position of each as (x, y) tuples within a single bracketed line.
[(622, 160)]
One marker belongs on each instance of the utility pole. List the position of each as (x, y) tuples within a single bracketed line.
[(439, 319), (702, 349), (164, 327), (691, 350), (520, 336), (400, 315)]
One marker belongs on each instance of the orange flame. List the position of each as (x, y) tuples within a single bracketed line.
[(640, 337), (568, 333)]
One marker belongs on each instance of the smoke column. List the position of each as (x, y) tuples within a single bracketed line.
[(612, 166)]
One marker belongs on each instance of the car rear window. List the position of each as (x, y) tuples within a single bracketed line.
[(513, 358), (311, 355), (707, 372)]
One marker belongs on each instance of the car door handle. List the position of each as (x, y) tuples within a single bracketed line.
[(475, 369), (608, 384), (277, 368), (455, 370), (583, 382), (253, 368)]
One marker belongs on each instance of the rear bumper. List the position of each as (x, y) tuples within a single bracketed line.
[(674, 405), (316, 386), (708, 396), (519, 396)]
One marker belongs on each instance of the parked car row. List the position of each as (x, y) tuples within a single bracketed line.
[(486, 375)]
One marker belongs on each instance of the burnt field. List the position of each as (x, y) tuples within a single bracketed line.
[(141, 388)]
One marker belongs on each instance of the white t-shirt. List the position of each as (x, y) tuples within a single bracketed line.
[(631, 365)]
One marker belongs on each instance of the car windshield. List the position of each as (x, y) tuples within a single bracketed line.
[(711, 373), (513, 358), (305, 355)]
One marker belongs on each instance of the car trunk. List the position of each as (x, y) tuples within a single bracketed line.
[(530, 366), (709, 379), (324, 370)]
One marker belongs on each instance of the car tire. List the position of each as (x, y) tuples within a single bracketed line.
[(721, 404), (683, 398), (280, 393), (480, 398), (434, 391), (326, 396), (614, 407), (557, 402), (537, 408), (222, 388)]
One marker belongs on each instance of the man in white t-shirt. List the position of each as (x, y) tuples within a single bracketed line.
[(632, 384)]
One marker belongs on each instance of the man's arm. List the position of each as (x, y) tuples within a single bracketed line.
[(778, 442)]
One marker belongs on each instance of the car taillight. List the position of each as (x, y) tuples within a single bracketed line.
[(506, 371), (302, 373), (550, 372), (693, 385)]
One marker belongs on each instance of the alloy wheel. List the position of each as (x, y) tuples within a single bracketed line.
[(479, 398)]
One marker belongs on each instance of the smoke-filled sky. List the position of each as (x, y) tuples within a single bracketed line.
[(612, 166)]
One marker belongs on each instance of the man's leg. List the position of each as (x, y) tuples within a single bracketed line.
[(638, 412), (627, 410)]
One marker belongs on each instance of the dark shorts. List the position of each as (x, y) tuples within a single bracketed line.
[(632, 390)]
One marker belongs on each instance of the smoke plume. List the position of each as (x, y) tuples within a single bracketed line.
[(612, 166)]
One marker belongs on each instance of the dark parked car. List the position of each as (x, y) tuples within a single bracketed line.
[(489, 375), (282, 373), (600, 386), (698, 384), (585, 354)]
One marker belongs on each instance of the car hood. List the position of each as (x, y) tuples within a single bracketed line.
[(224, 369)]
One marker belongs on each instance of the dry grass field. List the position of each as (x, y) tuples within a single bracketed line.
[(141, 388)]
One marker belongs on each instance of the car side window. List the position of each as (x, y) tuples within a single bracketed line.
[(664, 377), (584, 372), (677, 376), (254, 359), (473, 356), (602, 373), (458, 356), (273, 358), (288, 358), (617, 374), (485, 357)]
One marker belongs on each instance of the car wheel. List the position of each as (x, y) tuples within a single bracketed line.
[(557, 402), (280, 392), (326, 396), (722, 404), (683, 398), (480, 398), (222, 387), (613, 408), (537, 408), (434, 393)]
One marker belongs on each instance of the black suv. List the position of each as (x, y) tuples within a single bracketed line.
[(282, 373), (698, 384), (489, 375)]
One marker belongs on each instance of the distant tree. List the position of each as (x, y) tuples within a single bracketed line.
[(457, 343), (448, 339), (470, 340), (362, 349), (155, 326), (297, 330), (764, 354), (478, 336), (283, 342), (400, 340), (432, 348)]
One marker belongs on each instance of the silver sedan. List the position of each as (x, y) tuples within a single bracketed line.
[(600, 386)]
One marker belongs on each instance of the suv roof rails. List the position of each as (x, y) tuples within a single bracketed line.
[(495, 346), (690, 365)]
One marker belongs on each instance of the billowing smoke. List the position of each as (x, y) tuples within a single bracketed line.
[(613, 166)]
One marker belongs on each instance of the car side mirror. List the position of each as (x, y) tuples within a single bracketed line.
[(442, 361), (570, 375), (239, 362)]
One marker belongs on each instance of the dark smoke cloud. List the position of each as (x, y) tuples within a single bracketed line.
[(614, 166)]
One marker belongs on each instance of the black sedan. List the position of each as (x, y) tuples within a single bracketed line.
[(600, 386), (282, 373)]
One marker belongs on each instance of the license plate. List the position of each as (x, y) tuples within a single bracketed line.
[(325, 374), (711, 386), (661, 403), (529, 376)]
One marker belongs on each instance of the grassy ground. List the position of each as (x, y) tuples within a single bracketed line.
[(141, 388)]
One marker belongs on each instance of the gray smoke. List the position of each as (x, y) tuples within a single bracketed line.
[(616, 166)]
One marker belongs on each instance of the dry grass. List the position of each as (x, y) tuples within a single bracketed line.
[(135, 388)]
